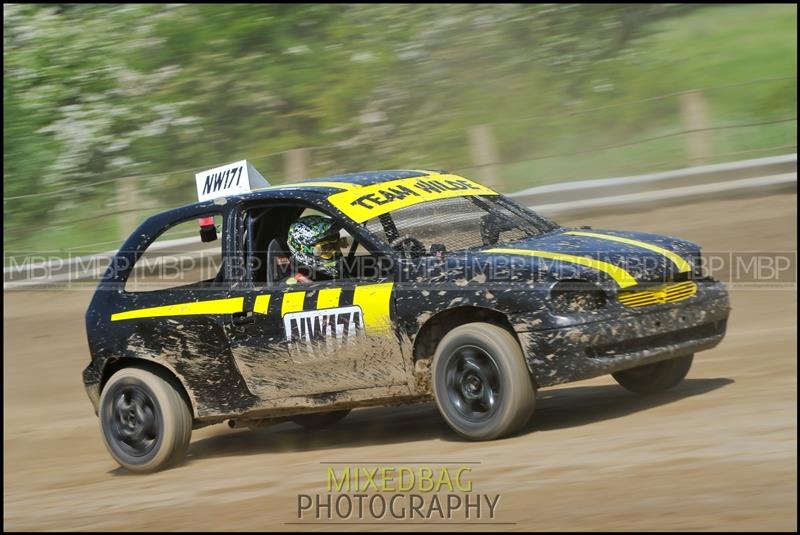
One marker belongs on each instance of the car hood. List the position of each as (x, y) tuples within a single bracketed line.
[(624, 258)]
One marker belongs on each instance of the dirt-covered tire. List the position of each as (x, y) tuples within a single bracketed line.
[(481, 382), (318, 420), (145, 423), (656, 377)]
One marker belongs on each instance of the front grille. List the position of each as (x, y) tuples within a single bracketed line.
[(667, 293)]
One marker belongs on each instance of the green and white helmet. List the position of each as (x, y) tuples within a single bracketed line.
[(314, 242)]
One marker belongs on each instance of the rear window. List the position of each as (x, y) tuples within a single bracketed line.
[(460, 223), (179, 258)]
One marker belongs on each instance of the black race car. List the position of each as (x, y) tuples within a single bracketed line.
[(448, 291)]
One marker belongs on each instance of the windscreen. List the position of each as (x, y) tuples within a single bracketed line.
[(459, 223)]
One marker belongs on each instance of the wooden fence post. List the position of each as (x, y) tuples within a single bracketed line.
[(296, 164), (484, 154), (694, 110)]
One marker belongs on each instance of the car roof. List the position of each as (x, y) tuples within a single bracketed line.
[(315, 186), (345, 181)]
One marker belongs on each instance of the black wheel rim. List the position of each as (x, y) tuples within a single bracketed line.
[(133, 420), (472, 379)]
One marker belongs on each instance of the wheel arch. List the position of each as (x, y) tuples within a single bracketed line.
[(439, 324), (157, 368)]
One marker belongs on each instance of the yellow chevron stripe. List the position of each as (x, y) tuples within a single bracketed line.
[(262, 304), (374, 300), (328, 298), (623, 278), (216, 306), (292, 302), (682, 264)]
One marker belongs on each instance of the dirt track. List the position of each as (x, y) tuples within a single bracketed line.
[(716, 453)]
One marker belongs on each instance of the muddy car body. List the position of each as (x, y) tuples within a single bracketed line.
[(452, 292)]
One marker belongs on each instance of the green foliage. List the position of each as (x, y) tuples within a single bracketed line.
[(97, 92)]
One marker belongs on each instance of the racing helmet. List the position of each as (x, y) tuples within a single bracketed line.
[(314, 242)]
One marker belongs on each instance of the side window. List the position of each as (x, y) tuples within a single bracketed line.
[(272, 263), (181, 258), (360, 250)]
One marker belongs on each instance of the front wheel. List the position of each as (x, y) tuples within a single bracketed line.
[(481, 382), (145, 422), (655, 377)]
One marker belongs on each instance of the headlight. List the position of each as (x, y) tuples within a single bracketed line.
[(570, 296)]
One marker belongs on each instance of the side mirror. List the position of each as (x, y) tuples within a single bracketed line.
[(492, 225)]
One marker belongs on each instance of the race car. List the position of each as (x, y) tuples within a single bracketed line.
[(445, 290)]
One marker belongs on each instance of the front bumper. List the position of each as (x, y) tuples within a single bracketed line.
[(627, 338)]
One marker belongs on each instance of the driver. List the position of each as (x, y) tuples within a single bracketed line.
[(315, 246)]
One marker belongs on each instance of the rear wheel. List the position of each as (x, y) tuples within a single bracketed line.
[(318, 420), (656, 377), (145, 422), (481, 382)]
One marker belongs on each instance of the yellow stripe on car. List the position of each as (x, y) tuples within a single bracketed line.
[(328, 298), (622, 277), (262, 304), (215, 306), (374, 300), (682, 264), (366, 202), (292, 302)]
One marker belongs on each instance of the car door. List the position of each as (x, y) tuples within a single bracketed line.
[(322, 337)]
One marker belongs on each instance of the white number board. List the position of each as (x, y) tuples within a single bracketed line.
[(231, 179)]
